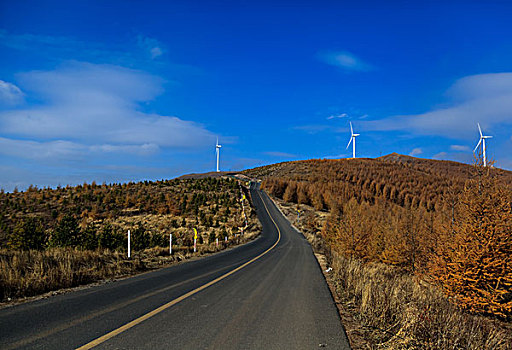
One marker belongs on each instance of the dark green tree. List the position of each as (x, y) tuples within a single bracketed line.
[(140, 238), (27, 234), (67, 233), (89, 238), (158, 240), (109, 237)]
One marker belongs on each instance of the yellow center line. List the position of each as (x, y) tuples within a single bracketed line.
[(156, 311), (112, 308)]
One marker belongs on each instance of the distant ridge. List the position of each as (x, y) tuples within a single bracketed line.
[(399, 158), (408, 166), (205, 175), (404, 159), (440, 167)]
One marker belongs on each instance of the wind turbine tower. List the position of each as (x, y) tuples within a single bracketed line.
[(217, 151), (482, 141), (353, 140)]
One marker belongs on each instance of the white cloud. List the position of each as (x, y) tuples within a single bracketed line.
[(280, 154), (66, 150), (144, 149), (339, 116), (338, 156), (96, 107), (345, 60), (40, 150), (459, 148), (10, 94), (481, 86), (156, 52), (483, 98), (440, 155), (461, 157), (152, 46), (416, 152), (78, 82)]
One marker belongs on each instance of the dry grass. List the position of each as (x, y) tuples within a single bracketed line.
[(399, 311), (30, 273), (389, 308)]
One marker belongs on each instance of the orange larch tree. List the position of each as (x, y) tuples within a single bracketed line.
[(474, 264)]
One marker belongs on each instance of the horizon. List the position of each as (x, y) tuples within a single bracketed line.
[(127, 92), (222, 172)]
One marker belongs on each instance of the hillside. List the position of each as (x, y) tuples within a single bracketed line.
[(400, 179), (419, 248), (211, 174), (54, 238), (444, 219), (157, 207), (442, 168)]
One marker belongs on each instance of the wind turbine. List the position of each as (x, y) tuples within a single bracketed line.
[(482, 141), (217, 151), (353, 140)]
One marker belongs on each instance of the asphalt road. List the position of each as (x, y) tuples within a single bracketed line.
[(267, 294)]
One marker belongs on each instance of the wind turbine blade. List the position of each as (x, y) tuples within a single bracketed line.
[(480, 129), (349, 142), (351, 130), (478, 144)]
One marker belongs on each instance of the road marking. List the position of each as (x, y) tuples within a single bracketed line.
[(72, 323), (156, 311)]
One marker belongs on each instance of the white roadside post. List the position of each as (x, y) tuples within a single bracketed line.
[(195, 240), (225, 238), (170, 244), (129, 245), (217, 241)]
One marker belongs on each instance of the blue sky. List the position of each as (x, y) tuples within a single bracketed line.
[(131, 90)]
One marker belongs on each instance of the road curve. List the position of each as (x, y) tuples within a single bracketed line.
[(267, 294)]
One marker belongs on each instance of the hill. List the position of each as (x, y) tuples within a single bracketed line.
[(439, 167), (403, 180), (204, 202), (444, 219), (63, 237), (416, 246), (211, 174)]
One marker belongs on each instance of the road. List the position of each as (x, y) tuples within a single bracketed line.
[(267, 294)]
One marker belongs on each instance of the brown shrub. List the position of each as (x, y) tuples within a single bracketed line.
[(474, 265)]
